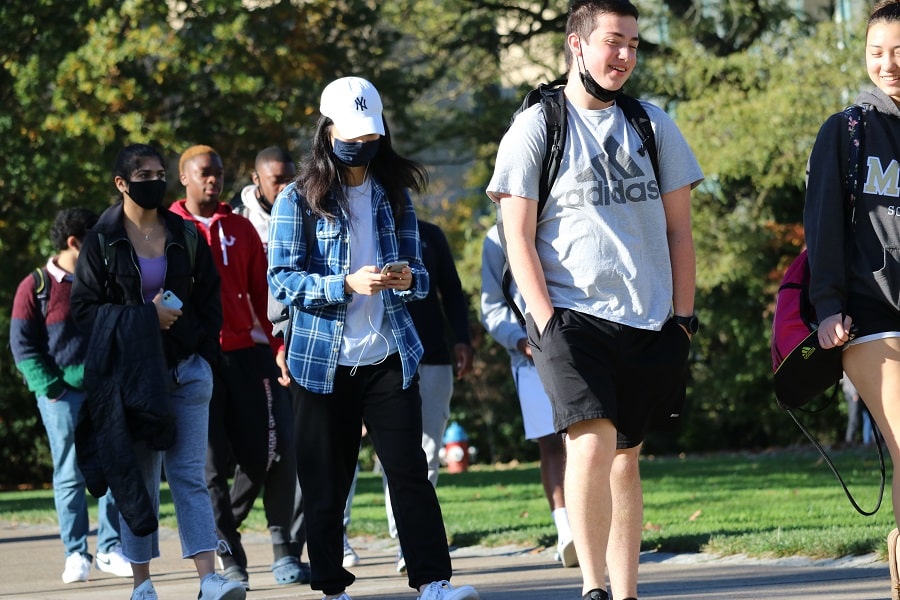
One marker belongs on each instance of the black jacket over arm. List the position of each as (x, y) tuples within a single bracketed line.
[(127, 401), (126, 373)]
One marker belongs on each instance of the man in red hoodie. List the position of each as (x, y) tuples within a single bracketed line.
[(242, 411)]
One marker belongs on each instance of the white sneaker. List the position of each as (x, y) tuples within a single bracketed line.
[(351, 558), (145, 591), (442, 590), (343, 596), (401, 562), (566, 553), (114, 562), (78, 568), (216, 587)]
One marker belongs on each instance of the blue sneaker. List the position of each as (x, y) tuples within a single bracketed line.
[(145, 591), (216, 587), (442, 590)]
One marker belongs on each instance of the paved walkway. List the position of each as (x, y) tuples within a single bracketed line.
[(31, 561)]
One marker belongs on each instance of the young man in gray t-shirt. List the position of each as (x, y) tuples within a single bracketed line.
[(607, 272)]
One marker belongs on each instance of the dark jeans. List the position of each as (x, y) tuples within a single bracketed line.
[(238, 425), (327, 436)]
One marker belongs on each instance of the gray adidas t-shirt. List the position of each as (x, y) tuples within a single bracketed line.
[(601, 238)]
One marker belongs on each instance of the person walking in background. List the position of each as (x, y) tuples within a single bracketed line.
[(149, 364), (855, 413), (273, 170), (49, 350), (537, 413), (607, 272), (854, 271), (352, 349), (242, 413), (445, 307)]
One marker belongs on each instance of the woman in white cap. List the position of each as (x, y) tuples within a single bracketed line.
[(351, 346)]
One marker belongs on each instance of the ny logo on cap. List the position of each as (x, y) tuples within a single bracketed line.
[(361, 104)]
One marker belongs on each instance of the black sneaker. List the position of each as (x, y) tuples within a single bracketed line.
[(239, 574), (596, 594)]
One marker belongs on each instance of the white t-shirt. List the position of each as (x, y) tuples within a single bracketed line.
[(368, 338), (601, 238)]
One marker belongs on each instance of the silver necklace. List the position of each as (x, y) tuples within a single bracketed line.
[(149, 234)]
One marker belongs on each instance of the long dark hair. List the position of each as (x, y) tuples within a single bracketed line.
[(321, 174)]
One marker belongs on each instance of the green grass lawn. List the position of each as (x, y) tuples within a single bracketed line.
[(781, 503)]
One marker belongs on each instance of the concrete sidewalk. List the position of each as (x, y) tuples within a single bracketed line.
[(31, 561)]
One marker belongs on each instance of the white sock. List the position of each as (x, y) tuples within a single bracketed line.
[(561, 519)]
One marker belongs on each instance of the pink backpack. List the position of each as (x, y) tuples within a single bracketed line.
[(803, 370)]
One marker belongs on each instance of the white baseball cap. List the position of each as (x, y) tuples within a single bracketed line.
[(354, 105)]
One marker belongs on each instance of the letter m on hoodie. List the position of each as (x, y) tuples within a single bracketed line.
[(882, 182)]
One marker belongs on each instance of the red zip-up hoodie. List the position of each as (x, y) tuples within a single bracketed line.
[(238, 254)]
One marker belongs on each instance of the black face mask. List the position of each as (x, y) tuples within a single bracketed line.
[(356, 154), (595, 89), (264, 202), (148, 194)]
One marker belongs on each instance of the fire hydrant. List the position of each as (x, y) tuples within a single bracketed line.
[(456, 448)]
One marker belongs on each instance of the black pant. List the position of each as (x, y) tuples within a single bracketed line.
[(282, 499), (327, 436), (238, 424)]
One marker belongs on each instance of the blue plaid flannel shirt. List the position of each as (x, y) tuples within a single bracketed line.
[(316, 297)]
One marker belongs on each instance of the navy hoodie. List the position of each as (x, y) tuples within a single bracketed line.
[(864, 259)]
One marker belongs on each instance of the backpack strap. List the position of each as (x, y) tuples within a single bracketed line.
[(553, 103), (637, 116), (41, 289), (191, 238), (856, 122), (108, 260)]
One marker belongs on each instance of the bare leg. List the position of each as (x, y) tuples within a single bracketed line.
[(140, 572), (553, 469), (205, 562), (624, 549), (591, 447), (874, 369)]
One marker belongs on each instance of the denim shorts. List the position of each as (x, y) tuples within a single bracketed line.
[(596, 369)]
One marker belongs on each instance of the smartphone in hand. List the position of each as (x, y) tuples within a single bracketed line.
[(170, 300), (394, 267)]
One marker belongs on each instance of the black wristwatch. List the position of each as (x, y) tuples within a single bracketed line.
[(691, 323)]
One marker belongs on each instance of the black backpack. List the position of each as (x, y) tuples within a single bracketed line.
[(553, 103), (42, 281)]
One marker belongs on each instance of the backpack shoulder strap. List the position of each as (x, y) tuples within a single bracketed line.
[(41, 289), (553, 103), (855, 115), (637, 116), (104, 251), (191, 237)]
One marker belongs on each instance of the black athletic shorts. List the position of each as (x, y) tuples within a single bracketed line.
[(596, 369)]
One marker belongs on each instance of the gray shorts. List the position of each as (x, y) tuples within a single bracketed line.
[(596, 369)]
